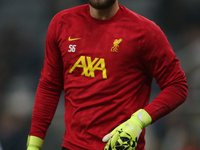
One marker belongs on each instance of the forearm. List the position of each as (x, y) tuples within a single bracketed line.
[(46, 101), (169, 99)]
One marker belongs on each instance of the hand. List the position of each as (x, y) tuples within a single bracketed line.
[(125, 136), (34, 143)]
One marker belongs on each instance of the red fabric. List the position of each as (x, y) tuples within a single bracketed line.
[(98, 98)]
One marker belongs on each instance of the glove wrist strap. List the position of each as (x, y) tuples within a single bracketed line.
[(144, 118), (34, 141)]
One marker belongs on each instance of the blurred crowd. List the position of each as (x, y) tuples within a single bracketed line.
[(23, 26)]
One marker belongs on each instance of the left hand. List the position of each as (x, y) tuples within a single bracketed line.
[(126, 135)]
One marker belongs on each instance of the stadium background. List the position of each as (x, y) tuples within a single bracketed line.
[(23, 26)]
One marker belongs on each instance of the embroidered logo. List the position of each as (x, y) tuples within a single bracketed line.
[(116, 45), (74, 39)]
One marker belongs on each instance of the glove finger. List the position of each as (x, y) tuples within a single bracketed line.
[(107, 137), (114, 139), (107, 147), (125, 141), (111, 143)]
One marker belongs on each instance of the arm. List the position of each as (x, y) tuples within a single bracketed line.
[(49, 88), (160, 62)]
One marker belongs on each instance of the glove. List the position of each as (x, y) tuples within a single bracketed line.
[(34, 143), (125, 136)]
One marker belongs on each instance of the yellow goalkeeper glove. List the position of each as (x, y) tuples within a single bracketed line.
[(34, 143), (125, 136)]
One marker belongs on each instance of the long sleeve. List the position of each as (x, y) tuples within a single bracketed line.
[(50, 85), (161, 63)]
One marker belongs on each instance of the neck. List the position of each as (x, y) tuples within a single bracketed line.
[(104, 13)]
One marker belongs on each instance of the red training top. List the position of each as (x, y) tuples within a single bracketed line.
[(106, 69)]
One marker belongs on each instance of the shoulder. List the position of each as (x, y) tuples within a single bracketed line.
[(65, 19), (142, 22)]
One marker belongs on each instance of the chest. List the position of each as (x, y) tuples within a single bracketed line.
[(89, 49)]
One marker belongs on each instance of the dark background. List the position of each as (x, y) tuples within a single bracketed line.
[(23, 26)]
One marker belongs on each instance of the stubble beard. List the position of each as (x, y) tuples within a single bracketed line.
[(101, 4)]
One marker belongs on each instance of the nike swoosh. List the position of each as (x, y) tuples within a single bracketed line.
[(74, 39), (138, 130), (129, 127)]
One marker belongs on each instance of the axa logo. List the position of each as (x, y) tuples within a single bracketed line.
[(89, 66), (116, 45)]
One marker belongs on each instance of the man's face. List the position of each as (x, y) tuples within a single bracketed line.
[(101, 4)]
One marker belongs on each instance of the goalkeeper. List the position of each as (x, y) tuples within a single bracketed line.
[(104, 57)]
